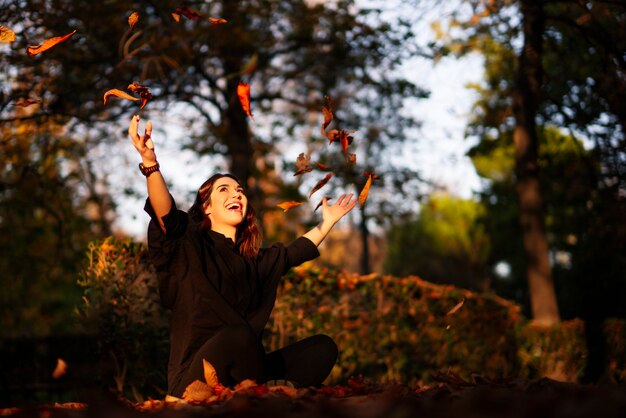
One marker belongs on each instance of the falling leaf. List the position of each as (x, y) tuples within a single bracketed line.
[(6, 35), (217, 21), (133, 19), (243, 92), (366, 189), (48, 43), (321, 184), (176, 17), (26, 102), (322, 167), (456, 307), (250, 66), (285, 206), (188, 12), (322, 202), (60, 369), (302, 164), (328, 114), (210, 375), (197, 391), (118, 93), (142, 91)]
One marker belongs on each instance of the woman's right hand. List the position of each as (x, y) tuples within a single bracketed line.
[(143, 143)]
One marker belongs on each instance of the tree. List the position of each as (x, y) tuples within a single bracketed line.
[(446, 243)]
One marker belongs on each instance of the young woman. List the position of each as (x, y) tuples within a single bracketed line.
[(221, 286)]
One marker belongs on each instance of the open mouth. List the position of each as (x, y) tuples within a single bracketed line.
[(235, 207)]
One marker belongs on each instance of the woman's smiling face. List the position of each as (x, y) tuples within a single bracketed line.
[(228, 204)]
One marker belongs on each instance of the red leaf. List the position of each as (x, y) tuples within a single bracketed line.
[(328, 114), (188, 12), (48, 43), (321, 184), (321, 203), (243, 92)]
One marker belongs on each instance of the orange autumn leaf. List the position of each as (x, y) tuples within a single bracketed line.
[(133, 19), (118, 93), (217, 21), (302, 164), (6, 34), (48, 43), (321, 184), (285, 206), (60, 369), (243, 92), (142, 91), (197, 391), (322, 167), (210, 375), (456, 307), (366, 189)]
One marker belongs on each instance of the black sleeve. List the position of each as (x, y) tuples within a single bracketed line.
[(163, 247), (278, 259)]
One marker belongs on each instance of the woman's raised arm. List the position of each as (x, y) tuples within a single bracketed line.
[(157, 189)]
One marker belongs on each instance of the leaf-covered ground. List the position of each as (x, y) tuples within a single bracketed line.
[(451, 397)]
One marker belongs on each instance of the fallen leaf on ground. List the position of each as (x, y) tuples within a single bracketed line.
[(243, 92), (197, 391), (26, 102), (6, 34), (321, 184), (48, 43), (210, 375), (285, 206)]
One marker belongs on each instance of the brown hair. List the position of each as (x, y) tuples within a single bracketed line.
[(248, 237)]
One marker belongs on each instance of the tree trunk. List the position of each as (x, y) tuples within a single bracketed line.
[(364, 262), (526, 98)]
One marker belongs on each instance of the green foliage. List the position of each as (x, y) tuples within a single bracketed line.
[(445, 242), (121, 302)]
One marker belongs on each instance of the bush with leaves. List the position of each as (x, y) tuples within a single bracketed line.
[(121, 301)]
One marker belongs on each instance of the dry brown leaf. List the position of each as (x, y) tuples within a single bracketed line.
[(210, 375), (366, 189), (188, 12), (303, 164), (197, 391), (456, 307), (328, 114), (26, 102), (48, 43), (142, 91), (321, 184), (133, 19), (322, 167), (60, 369), (285, 390), (118, 93), (243, 92), (285, 206), (6, 34)]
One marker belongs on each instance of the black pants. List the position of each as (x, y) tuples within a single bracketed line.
[(237, 354)]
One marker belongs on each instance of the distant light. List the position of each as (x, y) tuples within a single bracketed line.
[(503, 270)]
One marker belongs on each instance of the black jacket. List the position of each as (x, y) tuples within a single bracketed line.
[(207, 284)]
